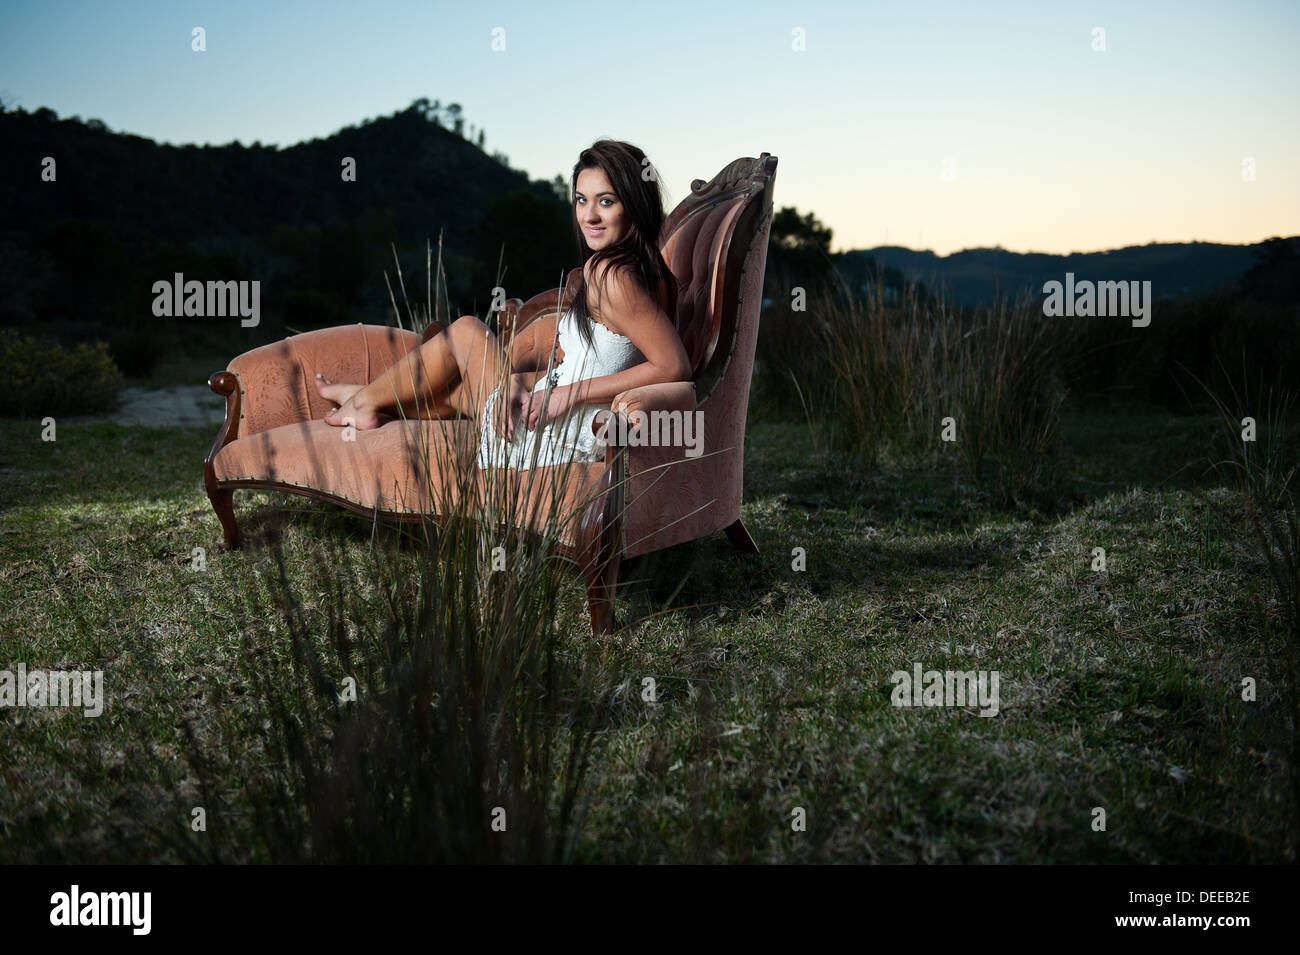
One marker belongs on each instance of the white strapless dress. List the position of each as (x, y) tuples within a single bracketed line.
[(568, 438)]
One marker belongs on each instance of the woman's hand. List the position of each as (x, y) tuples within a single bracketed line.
[(542, 409), (508, 412)]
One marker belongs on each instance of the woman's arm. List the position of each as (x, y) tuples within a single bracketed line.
[(627, 308), (603, 390)]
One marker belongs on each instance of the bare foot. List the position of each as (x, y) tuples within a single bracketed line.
[(363, 419), (347, 412), (335, 392)]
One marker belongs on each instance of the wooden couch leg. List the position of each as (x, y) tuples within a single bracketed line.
[(223, 504), (599, 550), (602, 582), (226, 384), (740, 538)]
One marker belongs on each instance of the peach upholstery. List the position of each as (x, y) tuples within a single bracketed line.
[(693, 253), (397, 470), (276, 380), (673, 498), (672, 396)]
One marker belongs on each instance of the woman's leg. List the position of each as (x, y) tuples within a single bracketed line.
[(452, 373)]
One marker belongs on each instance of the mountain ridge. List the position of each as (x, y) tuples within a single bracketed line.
[(970, 276)]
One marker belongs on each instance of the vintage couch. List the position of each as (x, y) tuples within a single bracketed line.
[(638, 500)]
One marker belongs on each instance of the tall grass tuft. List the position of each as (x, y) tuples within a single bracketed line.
[(879, 375), (1000, 379), (1162, 363), (420, 698), (1263, 471)]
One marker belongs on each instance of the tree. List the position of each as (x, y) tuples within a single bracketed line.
[(1275, 276), (799, 252), (342, 262), (538, 240)]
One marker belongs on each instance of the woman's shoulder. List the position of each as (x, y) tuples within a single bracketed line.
[(619, 286), (607, 273)]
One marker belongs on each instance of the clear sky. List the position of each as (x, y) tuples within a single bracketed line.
[(942, 125)]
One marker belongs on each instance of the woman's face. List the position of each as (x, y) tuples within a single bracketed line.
[(601, 214)]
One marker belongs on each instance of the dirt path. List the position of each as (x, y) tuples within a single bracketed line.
[(176, 406)]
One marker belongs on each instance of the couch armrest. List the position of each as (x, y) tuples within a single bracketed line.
[(275, 381), (632, 409), (669, 396), (675, 490)]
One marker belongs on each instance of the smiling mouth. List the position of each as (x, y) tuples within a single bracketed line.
[(594, 231)]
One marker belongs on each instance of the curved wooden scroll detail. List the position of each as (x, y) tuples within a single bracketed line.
[(227, 384)]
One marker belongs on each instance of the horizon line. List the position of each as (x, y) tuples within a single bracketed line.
[(1116, 248)]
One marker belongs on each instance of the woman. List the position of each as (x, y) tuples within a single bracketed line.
[(616, 335)]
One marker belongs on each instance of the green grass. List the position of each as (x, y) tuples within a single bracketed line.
[(1118, 689)]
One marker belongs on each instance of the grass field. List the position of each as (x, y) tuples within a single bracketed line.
[(1118, 689)]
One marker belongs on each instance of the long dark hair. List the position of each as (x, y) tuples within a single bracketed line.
[(637, 186)]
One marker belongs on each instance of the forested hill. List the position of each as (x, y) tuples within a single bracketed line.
[(124, 211)]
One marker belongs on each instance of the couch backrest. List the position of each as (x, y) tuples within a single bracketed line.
[(716, 243), (709, 243)]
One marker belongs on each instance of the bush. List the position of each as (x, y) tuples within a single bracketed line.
[(46, 378), (1221, 338)]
